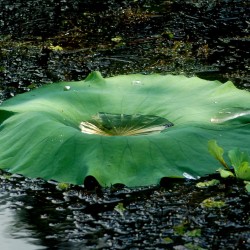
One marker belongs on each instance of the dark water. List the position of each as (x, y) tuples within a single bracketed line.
[(38, 215), (47, 41), (205, 38), (14, 233)]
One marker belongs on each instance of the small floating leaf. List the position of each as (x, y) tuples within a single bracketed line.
[(194, 233), (181, 228), (225, 173), (206, 184), (63, 186), (116, 39), (56, 48), (247, 186), (120, 208), (167, 240), (191, 246), (212, 203)]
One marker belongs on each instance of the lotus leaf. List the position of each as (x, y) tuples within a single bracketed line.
[(130, 129)]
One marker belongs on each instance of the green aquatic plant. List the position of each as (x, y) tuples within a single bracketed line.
[(120, 209), (206, 184), (212, 203), (217, 152), (239, 160), (247, 186), (130, 129), (62, 186)]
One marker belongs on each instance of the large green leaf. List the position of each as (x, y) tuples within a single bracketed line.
[(132, 129)]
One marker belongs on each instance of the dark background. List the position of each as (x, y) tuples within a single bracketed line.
[(205, 38), (45, 41)]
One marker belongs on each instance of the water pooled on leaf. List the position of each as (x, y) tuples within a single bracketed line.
[(230, 114), (107, 124), (136, 83)]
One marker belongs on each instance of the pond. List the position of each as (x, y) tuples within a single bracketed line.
[(13, 234), (48, 41), (42, 216)]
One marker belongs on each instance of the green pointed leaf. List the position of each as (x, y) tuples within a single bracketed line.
[(131, 129), (217, 152), (241, 163)]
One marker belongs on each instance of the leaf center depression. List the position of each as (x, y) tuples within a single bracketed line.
[(108, 124)]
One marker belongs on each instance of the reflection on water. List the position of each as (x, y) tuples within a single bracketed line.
[(13, 234)]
